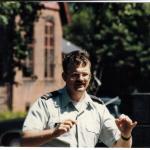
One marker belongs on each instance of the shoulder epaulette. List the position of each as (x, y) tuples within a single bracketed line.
[(96, 99), (50, 95)]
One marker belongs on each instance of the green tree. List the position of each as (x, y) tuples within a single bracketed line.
[(16, 29), (117, 37)]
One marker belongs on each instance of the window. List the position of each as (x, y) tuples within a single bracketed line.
[(28, 65), (49, 50)]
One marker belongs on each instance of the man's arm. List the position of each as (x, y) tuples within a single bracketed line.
[(124, 143), (125, 126), (38, 138)]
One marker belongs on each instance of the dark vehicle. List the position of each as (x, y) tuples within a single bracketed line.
[(112, 104), (10, 132)]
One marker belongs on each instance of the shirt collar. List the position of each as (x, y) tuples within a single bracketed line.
[(66, 100), (88, 101), (65, 97)]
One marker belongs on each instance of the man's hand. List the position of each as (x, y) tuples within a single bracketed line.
[(125, 125), (38, 138), (63, 127)]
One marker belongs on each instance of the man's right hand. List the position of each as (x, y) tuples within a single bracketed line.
[(63, 127), (38, 138)]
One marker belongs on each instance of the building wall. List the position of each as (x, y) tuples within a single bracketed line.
[(29, 89), (3, 98)]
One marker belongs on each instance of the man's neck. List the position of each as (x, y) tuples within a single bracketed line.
[(76, 96)]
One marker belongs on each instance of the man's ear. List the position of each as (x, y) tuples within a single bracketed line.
[(64, 76)]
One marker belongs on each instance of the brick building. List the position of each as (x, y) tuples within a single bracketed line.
[(41, 72)]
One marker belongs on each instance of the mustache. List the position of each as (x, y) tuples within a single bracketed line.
[(80, 82)]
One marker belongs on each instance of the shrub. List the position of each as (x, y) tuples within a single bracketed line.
[(11, 115)]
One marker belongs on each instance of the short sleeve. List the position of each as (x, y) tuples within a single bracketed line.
[(37, 117), (110, 132)]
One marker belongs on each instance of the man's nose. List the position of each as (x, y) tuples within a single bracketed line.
[(80, 77)]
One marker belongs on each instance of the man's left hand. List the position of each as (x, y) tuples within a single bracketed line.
[(125, 125)]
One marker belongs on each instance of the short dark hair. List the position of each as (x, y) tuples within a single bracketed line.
[(76, 58)]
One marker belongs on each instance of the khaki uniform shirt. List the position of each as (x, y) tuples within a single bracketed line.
[(94, 122)]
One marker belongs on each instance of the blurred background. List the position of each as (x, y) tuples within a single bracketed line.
[(35, 36)]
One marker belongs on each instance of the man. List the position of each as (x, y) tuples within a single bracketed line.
[(69, 117)]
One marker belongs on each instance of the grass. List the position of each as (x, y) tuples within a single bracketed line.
[(11, 115)]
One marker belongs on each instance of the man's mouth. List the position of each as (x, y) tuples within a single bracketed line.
[(80, 84)]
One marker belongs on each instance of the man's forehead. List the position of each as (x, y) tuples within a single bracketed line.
[(79, 68), (82, 65)]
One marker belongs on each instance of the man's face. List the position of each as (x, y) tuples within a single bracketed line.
[(77, 78)]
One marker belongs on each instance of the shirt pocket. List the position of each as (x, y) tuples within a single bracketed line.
[(92, 131)]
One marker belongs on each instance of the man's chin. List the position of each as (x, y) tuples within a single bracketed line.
[(80, 89)]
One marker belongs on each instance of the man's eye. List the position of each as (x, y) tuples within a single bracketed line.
[(74, 75), (85, 74)]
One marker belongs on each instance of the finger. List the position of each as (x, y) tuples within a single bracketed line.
[(117, 121), (64, 128), (123, 122), (122, 117), (72, 121), (129, 122), (134, 124), (68, 127), (125, 119), (69, 122), (59, 131)]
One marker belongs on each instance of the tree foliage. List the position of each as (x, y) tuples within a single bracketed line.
[(16, 28), (117, 37)]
